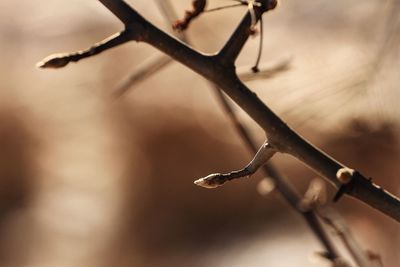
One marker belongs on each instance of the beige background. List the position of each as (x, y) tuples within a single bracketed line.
[(89, 180)]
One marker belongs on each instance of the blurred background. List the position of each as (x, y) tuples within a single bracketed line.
[(88, 179)]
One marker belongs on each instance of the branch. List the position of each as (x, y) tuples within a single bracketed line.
[(217, 179), (220, 70), (61, 60)]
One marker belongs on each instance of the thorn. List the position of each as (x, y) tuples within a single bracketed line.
[(341, 191)]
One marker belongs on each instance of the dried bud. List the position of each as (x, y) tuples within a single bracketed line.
[(198, 8), (344, 175)]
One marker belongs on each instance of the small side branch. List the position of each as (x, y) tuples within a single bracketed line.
[(61, 60), (146, 69), (265, 72), (217, 179), (234, 45)]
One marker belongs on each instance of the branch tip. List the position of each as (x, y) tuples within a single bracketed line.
[(211, 181), (54, 61)]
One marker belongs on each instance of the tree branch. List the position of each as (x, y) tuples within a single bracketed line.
[(221, 71)]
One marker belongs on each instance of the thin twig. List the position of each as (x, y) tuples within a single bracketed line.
[(221, 8), (264, 72), (61, 60), (255, 68), (214, 180)]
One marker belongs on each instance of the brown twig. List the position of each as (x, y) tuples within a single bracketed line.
[(220, 69)]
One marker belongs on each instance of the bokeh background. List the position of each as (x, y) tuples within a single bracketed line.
[(90, 180)]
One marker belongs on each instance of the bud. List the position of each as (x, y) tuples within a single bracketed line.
[(344, 175)]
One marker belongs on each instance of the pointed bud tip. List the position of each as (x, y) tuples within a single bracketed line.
[(204, 182), (40, 65), (53, 61)]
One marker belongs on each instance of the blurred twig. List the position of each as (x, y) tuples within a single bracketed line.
[(315, 199), (146, 69), (337, 223)]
